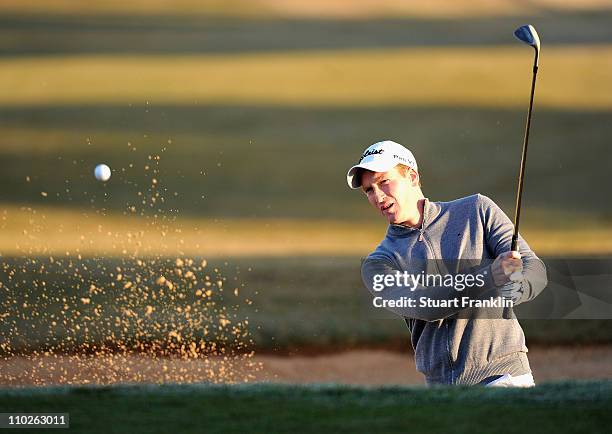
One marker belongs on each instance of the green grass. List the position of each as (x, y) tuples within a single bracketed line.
[(52, 34), (236, 97), (456, 76), (275, 111), (564, 408), (239, 150)]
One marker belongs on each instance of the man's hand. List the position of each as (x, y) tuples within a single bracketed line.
[(506, 267), (513, 291)]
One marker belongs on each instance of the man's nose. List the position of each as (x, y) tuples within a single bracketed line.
[(379, 195)]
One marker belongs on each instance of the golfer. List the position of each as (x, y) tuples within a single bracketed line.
[(455, 339)]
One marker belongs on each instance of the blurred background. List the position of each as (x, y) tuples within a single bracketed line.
[(230, 125)]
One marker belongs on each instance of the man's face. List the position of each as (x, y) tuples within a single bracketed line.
[(395, 195)]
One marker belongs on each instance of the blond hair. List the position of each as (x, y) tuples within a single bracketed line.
[(403, 170)]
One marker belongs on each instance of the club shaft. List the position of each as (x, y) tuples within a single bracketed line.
[(519, 193)]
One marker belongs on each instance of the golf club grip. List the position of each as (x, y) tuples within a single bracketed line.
[(514, 246)]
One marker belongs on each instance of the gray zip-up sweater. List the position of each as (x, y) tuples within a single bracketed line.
[(451, 346)]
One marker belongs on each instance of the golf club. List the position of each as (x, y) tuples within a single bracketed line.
[(528, 35)]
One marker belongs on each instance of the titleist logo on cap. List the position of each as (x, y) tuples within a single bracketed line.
[(372, 152)]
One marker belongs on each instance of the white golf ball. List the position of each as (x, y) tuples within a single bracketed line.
[(102, 172)]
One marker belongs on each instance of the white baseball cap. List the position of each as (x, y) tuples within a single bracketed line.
[(381, 157)]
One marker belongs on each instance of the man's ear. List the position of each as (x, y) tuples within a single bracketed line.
[(415, 179)]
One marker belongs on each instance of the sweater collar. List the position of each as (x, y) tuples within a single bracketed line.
[(431, 210)]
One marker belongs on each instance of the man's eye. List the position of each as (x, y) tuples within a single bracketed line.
[(368, 190), (384, 181)]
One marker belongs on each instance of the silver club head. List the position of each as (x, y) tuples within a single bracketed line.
[(528, 35)]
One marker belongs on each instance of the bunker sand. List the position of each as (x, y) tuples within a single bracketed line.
[(357, 367)]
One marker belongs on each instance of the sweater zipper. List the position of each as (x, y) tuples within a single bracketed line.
[(429, 247), (421, 238), (448, 353)]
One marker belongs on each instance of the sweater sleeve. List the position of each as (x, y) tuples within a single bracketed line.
[(376, 266), (498, 237)]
